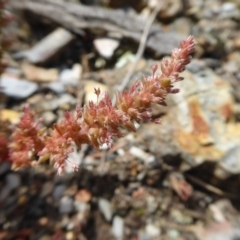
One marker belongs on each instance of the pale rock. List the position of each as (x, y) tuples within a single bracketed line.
[(106, 46), (152, 3), (229, 10), (89, 90), (143, 236), (64, 101), (152, 204), (65, 221), (38, 74), (182, 26), (56, 87), (152, 231), (48, 117), (173, 234), (48, 47), (81, 206), (17, 88), (118, 228), (105, 208), (229, 164), (70, 236), (10, 115), (126, 58), (100, 63), (66, 205), (171, 9), (144, 156), (71, 76), (75, 159)]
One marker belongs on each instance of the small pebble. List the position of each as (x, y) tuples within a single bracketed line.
[(106, 209), (152, 231), (118, 228), (66, 205)]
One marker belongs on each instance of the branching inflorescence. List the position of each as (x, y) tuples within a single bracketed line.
[(98, 123)]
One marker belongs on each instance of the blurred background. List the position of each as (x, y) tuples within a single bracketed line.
[(174, 180)]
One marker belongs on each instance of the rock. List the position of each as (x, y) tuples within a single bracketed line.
[(13, 181), (47, 189), (71, 76), (180, 217), (71, 190), (231, 67), (48, 47), (89, 90), (65, 220), (229, 164), (58, 192), (203, 109), (234, 57), (105, 208), (139, 153), (171, 9), (173, 234), (195, 8), (203, 122), (182, 26), (43, 221), (222, 210), (118, 228), (159, 139), (218, 231), (196, 66), (83, 196), (229, 10), (35, 99), (66, 205), (145, 12), (17, 88), (152, 204), (152, 3), (81, 207), (64, 102), (48, 118), (71, 236), (50, 104), (56, 87), (143, 236), (22, 200), (152, 231), (37, 74), (10, 115), (125, 59), (106, 46)]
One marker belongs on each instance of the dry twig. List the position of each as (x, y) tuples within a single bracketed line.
[(141, 48)]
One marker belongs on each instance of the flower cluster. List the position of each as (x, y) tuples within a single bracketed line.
[(26, 140), (99, 123)]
